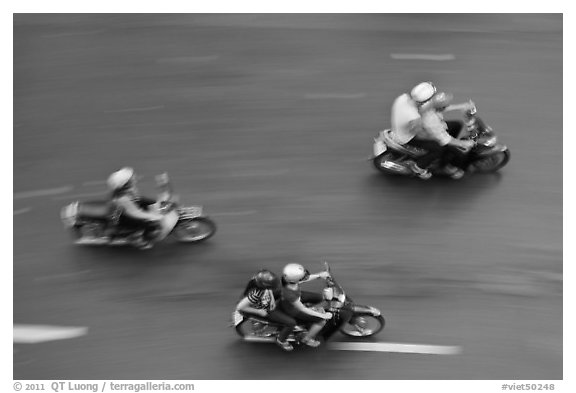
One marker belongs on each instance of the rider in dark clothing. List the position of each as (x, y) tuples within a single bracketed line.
[(259, 298), (131, 209)]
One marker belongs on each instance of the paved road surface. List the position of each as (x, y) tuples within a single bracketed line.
[(267, 121)]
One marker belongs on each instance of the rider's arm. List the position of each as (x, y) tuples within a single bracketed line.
[(245, 306), (434, 128), (458, 107), (316, 276), (132, 210)]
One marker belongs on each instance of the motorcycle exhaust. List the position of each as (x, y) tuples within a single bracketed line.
[(259, 339)]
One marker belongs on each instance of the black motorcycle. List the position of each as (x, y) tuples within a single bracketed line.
[(365, 322), (487, 155), (97, 222)]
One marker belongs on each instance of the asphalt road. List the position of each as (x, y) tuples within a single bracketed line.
[(267, 121)]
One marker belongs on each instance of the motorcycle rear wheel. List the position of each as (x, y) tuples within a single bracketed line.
[(363, 325), (194, 230), (491, 163)]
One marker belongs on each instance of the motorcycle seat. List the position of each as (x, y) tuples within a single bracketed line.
[(266, 321), (388, 139), (101, 210)]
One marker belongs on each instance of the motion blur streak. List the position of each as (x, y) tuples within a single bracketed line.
[(475, 263), (395, 347)]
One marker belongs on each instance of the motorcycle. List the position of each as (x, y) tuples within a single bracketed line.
[(486, 156), (365, 322), (97, 222)]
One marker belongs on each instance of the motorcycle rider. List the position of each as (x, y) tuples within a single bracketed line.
[(259, 299), (131, 208), (293, 299), (417, 121)]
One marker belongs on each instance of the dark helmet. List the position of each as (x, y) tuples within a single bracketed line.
[(265, 279)]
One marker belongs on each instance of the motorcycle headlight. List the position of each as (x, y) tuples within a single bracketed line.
[(328, 293)]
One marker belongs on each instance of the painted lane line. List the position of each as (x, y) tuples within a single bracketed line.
[(397, 347), (187, 59), (239, 213), (141, 125), (94, 183), (334, 96), (39, 193), (71, 34), (21, 211), (140, 109), (32, 334), (416, 56), (76, 196)]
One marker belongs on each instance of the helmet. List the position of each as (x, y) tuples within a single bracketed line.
[(265, 279), (120, 178), (423, 92), (294, 273)]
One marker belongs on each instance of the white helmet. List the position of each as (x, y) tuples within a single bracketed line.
[(423, 92), (294, 273), (120, 178)]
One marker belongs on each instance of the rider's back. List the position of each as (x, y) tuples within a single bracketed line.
[(404, 114)]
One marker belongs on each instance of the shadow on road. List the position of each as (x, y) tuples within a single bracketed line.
[(441, 194)]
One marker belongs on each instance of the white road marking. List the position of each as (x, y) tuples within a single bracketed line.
[(69, 34), (397, 347), (77, 196), (187, 59), (40, 193), (416, 56), (21, 211), (239, 213), (141, 109), (337, 96), (94, 183), (32, 334), (142, 125)]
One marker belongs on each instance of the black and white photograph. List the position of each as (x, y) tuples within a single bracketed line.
[(288, 197)]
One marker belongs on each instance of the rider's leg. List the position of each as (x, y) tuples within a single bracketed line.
[(151, 230), (433, 151), (285, 320), (317, 325), (310, 337)]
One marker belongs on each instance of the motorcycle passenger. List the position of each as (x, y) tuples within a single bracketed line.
[(258, 298), (429, 132), (130, 207), (293, 299)]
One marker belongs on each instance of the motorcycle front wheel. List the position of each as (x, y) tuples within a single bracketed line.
[(194, 230), (363, 325), (491, 163)]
